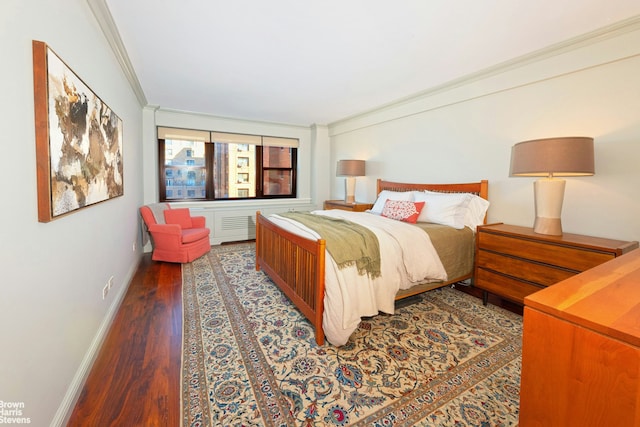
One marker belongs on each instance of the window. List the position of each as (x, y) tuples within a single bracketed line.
[(202, 165), (243, 162), (243, 178), (183, 169), (277, 171)]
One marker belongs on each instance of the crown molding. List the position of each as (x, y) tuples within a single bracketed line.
[(600, 35), (109, 29)]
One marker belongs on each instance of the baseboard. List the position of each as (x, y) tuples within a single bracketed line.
[(61, 418)]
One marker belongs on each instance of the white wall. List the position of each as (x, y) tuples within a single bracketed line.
[(464, 132), (51, 306)]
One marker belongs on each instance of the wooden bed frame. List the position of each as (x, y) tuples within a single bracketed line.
[(297, 265)]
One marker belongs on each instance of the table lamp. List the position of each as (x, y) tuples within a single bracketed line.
[(350, 169), (551, 158)]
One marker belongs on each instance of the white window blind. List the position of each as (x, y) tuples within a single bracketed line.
[(235, 138), (183, 134), (225, 137)]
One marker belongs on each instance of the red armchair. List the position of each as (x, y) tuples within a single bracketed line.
[(176, 236)]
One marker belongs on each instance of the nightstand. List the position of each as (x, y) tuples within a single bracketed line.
[(513, 261), (341, 204)]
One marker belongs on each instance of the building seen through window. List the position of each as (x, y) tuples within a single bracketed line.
[(197, 165), (184, 172)]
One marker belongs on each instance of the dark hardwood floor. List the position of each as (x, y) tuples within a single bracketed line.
[(135, 379)]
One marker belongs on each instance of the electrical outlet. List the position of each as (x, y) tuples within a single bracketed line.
[(105, 291)]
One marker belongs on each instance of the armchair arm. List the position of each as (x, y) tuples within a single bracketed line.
[(198, 222), (166, 236)]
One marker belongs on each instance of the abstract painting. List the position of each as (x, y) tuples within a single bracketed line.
[(78, 140)]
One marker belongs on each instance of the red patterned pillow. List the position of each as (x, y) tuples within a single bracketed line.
[(402, 210)]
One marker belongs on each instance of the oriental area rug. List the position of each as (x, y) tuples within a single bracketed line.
[(250, 358)]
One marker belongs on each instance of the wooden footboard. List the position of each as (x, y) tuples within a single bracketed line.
[(296, 266)]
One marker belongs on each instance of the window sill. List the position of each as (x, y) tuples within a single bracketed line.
[(236, 204)]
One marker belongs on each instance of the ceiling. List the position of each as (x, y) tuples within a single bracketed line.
[(306, 62)]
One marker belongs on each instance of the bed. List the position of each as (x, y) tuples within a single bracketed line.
[(298, 263)]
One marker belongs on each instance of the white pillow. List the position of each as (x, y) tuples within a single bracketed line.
[(476, 212), (389, 195), (444, 208)]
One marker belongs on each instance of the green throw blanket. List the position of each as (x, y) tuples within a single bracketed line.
[(347, 242)]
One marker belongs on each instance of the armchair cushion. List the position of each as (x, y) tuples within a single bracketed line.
[(180, 216), (194, 234)]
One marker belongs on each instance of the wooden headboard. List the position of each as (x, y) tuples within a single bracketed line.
[(480, 188)]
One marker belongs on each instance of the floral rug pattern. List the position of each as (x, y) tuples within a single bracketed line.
[(250, 358)]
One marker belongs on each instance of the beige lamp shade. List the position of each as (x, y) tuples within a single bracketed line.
[(567, 156), (350, 169), (549, 158)]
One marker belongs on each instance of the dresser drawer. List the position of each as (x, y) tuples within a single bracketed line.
[(574, 258), (542, 274), (513, 261), (505, 286)]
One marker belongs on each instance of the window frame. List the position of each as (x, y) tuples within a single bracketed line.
[(261, 175), (209, 156)]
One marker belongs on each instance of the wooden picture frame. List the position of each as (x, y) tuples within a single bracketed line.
[(78, 140)]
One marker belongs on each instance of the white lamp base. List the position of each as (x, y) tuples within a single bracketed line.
[(548, 193), (350, 189)]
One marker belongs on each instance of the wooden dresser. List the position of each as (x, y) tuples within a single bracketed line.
[(341, 204), (513, 261), (581, 349)]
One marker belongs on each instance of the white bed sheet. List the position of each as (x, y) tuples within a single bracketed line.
[(407, 257)]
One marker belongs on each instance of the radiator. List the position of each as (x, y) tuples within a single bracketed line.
[(233, 226)]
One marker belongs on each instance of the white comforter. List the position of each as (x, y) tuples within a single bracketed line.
[(407, 258)]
